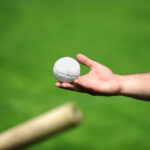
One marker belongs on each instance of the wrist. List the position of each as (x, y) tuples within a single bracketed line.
[(122, 84), (128, 86)]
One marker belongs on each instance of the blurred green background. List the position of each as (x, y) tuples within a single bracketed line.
[(34, 34)]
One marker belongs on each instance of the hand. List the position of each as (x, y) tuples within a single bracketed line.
[(99, 81)]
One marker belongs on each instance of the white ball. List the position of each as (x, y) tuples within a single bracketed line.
[(66, 69)]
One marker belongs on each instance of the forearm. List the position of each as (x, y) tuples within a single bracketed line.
[(137, 85)]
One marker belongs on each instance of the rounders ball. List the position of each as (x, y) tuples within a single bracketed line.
[(66, 69)]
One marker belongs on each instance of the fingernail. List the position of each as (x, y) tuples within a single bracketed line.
[(57, 84), (75, 81)]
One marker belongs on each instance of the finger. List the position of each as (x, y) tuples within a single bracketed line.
[(86, 89), (74, 87), (58, 84), (81, 82), (85, 60), (70, 86)]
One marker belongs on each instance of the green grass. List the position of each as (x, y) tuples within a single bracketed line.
[(34, 34)]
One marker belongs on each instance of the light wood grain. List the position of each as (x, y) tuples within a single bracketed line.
[(41, 127)]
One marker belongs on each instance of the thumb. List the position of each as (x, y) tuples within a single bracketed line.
[(85, 60)]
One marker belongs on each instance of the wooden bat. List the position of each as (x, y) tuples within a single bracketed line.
[(41, 127)]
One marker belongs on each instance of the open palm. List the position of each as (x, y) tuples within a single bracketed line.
[(99, 81)]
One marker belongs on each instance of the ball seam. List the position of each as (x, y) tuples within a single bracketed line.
[(56, 71)]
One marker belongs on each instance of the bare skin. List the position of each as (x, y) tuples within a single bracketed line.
[(102, 81)]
